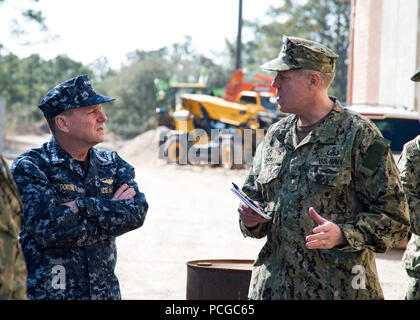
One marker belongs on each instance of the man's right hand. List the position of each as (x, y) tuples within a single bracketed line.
[(249, 217), (124, 193)]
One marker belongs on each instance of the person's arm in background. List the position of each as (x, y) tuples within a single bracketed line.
[(383, 220), (409, 175), (13, 267)]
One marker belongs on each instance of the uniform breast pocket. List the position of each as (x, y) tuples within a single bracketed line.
[(329, 175), (269, 183)]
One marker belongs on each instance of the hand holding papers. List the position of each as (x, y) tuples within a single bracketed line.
[(245, 199)]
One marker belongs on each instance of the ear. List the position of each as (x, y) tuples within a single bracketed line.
[(62, 123), (314, 80)]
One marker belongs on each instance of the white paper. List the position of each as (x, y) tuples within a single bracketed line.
[(244, 199)]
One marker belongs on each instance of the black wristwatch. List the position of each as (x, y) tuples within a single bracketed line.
[(81, 205)]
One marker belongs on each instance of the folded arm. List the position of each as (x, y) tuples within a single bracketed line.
[(56, 224)]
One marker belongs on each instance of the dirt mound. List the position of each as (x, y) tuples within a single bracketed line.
[(144, 147), (38, 128)]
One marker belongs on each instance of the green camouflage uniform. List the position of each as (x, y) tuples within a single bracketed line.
[(12, 263), (409, 165), (343, 169)]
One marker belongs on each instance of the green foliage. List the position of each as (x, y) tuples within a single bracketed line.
[(133, 111), (325, 21), (28, 15), (24, 82), (133, 87)]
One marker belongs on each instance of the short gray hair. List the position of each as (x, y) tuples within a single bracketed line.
[(326, 78), (51, 121)]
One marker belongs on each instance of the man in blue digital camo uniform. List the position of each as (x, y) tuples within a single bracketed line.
[(327, 178), (77, 199), (409, 165)]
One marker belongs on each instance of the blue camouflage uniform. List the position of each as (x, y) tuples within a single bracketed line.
[(56, 239), (69, 254)]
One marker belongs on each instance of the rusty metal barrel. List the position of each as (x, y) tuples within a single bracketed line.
[(218, 279)]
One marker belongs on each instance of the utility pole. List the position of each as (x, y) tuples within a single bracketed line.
[(238, 39), (2, 121)]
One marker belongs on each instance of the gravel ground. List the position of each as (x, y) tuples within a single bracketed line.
[(192, 216)]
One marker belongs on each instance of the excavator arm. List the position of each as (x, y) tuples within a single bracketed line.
[(237, 84)]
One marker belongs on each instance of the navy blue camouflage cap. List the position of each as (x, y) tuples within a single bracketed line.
[(74, 93)]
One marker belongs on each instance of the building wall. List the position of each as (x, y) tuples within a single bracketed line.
[(417, 84), (361, 52), (398, 52), (385, 52)]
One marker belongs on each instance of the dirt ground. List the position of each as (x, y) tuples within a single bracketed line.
[(192, 215)]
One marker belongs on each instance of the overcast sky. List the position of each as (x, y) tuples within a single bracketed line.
[(88, 29)]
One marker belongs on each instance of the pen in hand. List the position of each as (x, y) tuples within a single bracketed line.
[(244, 194)]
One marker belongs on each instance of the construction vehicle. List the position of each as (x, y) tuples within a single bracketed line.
[(237, 85), (204, 128), (174, 90), (261, 96)]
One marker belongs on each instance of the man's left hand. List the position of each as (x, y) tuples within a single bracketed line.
[(326, 236), (124, 193)]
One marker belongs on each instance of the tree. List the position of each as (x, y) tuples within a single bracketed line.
[(133, 87), (23, 82), (101, 68), (135, 91), (325, 21), (27, 15)]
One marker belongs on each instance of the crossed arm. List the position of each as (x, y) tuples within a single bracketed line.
[(55, 224), (123, 193)]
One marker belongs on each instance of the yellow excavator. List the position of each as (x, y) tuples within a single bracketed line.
[(206, 129)]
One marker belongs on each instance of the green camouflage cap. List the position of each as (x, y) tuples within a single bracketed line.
[(298, 53), (416, 76)]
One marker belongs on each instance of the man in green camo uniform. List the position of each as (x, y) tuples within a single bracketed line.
[(12, 262), (409, 165), (327, 178)]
